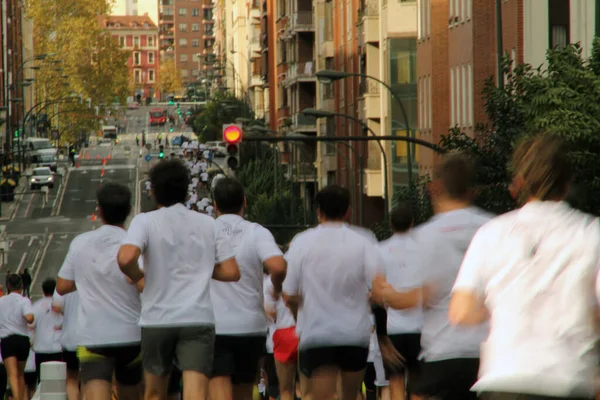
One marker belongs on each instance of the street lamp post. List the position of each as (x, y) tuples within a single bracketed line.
[(331, 75), (327, 114)]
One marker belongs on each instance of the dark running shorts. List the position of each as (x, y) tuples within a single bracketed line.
[(70, 358), (99, 363), (448, 379), (15, 346), (346, 358), (238, 357)]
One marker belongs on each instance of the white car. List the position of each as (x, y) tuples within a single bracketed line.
[(105, 143), (219, 149), (41, 176)]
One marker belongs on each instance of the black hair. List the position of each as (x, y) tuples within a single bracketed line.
[(229, 195), (401, 218), (14, 282), (48, 287), (170, 180), (456, 171), (333, 201), (114, 200)]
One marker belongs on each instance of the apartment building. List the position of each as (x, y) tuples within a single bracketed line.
[(139, 36), (268, 61), (457, 52), (254, 57)]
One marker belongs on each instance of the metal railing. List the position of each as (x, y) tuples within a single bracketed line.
[(369, 87), (303, 120), (369, 8)]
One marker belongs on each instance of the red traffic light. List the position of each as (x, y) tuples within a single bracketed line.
[(232, 134)]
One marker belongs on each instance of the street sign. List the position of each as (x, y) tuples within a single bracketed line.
[(148, 157), (148, 146)]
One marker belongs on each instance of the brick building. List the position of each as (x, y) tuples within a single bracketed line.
[(456, 53), (138, 35)]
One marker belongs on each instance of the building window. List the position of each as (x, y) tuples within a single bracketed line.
[(151, 77), (184, 73), (137, 76), (195, 27), (182, 27), (471, 94), (183, 58), (195, 12), (452, 98), (136, 41), (183, 42), (122, 41), (597, 8), (182, 12), (464, 90), (559, 23), (208, 13), (137, 59), (208, 43), (150, 57), (208, 29), (195, 43), (151, 41), (469, 9)]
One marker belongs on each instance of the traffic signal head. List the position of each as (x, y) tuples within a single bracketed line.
[(171, 130), (17, 133), (232, 136), (161, 151)]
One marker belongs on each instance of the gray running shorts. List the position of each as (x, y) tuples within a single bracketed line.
[(190, 348)]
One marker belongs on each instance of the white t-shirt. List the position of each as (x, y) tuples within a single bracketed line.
[(535, 268), (204, 177), (399, 255), (109, 306), (441, 245), (206, 154), (285, 318), (270, 322), (239, 306), (195, 182), (331, 267), (30, 364), (70, 306), (180, 248), (47, 327), (13, 309), (148, 185), (209, 210), (203, 166)]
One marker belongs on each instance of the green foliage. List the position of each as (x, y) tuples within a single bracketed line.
[(222, 108)]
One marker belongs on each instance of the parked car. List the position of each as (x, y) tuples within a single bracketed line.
[(218, 148), (41, 176), (133, 106)]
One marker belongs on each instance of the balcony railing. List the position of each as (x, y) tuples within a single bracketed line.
[(166, 17), (303, 120), (370, 87), (369, 8), (302, 21), (301, 70)]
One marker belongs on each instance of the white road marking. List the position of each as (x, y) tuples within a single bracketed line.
[(33, 239), (23, 257), (41, 260), (29, 205), (62, 197)]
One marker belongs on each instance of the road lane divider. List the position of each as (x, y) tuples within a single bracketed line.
[(39, 259), (21, 263), (61, 195)]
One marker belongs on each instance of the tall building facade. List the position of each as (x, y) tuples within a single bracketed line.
[(457, 52), (139, 36)]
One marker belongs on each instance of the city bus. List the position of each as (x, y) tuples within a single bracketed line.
[(109, 132), (158, 116)]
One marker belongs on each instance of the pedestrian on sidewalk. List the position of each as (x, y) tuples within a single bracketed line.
[(26, 277)]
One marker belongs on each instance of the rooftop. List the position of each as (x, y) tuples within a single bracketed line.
[(127, 22)]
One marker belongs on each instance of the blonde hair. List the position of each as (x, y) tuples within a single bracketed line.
[(541, 161)]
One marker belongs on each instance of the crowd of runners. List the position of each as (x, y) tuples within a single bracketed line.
[(183, 304)]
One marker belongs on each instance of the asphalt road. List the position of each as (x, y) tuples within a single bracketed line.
[(139, 119), (39, 235)]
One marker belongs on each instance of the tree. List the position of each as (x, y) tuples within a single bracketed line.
[(222, 108), (169, 78), (561, 98)]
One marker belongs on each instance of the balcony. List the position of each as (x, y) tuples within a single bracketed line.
[(368, 17), (371, 107), (167, 34), (165, 18), (302, 123), (208, 4), (304, 171), (300, 72), (283, 114), (208, 35), (254, 15), (282, 70), (255, 48), (302, 21), (281, 25), (256, 80)]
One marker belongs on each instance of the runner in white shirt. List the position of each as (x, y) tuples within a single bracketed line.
[(109, 306), (210, 210), (46, 339), (330, 269), (203, 165), (450, 354), (269, 361), (15, 314), (206, 154), (241, 324), (181, 254), (531, 271), (400, 257), (31, 377), (68, 306), (204, 177), (4, 377)]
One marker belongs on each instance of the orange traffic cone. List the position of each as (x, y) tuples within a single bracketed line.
[(87, 156), (109, 157), (93, 216), (104, 161), (102, 172), (77, 165)]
